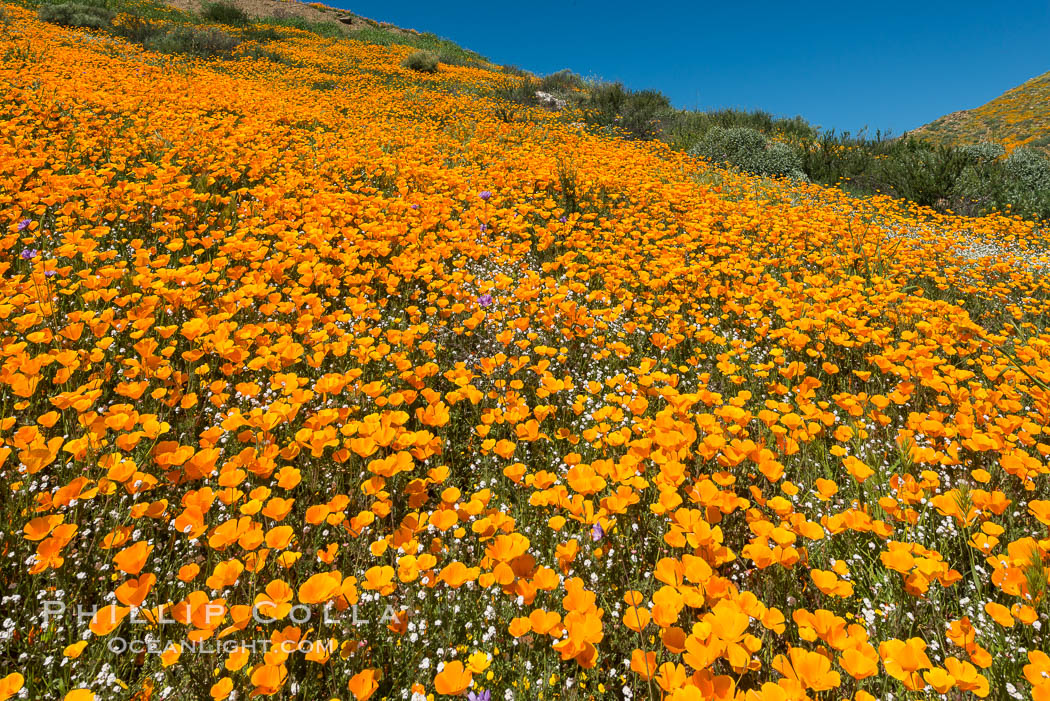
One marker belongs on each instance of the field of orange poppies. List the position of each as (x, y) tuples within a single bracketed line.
[(326, 379)]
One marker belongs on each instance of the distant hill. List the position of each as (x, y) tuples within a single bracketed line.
[(1018, 117)]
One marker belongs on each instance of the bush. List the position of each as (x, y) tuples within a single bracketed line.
[(225, 13), (685, 129), (751, 151), (76, 15), (262, 34), (452, 57), (138, 30), (1029, 168), (841, 160), (422, 61), (207, 42), (782, 159), (742, 147), (514, 71), (521, 92), (564, 81), (982, 153), (638, 113), (923, 173)]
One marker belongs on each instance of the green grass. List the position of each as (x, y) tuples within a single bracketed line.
[(448, 52), (321, 29)]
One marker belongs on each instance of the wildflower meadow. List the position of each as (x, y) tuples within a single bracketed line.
[(327, 378)]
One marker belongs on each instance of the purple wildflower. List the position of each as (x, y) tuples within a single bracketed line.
[(50, 273), (484, 227), (597, 532), (415, 206), (29, 254), (485, 300), (485, 695), (563, 219), (485, 195), (23, 225)]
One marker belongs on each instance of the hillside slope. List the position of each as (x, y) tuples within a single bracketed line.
[(1018, 117), (313, 12), (323, 378)]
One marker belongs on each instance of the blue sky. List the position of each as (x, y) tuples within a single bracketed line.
[(888, 65)]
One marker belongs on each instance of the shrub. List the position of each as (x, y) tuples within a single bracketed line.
[(1029, 168), (262, 34), (207, 42), (742, 147), (521, 91), (782, 159), (921, 172), (638, 113), (225, 13), (564, 81), (685, 128), (511, 96), (983, 153), (452, 57), (514, 71), (750, 150), (76, 15), (841, 160), (138, 30), (422, 61)]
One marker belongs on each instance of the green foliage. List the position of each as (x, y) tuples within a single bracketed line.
[(685, 128), (76, 15), (922, 173), (457, 57), (982, 153), (422, 61), (322, 29), (264, 54), (205, 42), (972, 180), (225, 13), (514, 71), (147, 9), (568, 187), (781, 159), (446, 50), (637, 113), (1028, 182), (840, 160), (750, 150), (522, 92), (443, 48), (512, 96), (262, 34), (1029, 167), (739, 146), (139, 30), (562, 83)]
